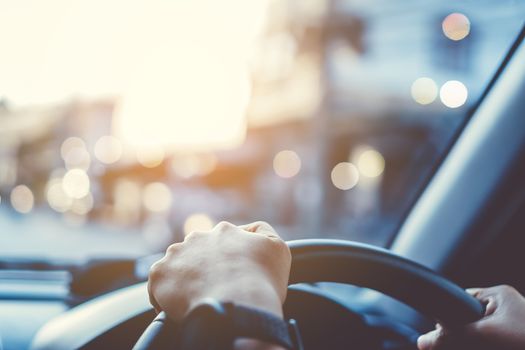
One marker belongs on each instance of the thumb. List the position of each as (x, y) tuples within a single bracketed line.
[(432, 340)]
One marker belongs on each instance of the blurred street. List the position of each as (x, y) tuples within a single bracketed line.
[(324, 118)]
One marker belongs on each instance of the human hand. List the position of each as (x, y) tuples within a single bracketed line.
[(247, 265), (502, 327)]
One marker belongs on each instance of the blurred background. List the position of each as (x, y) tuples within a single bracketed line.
[(125, 125)]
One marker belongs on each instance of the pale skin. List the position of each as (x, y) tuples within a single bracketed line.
[(502, 327), (247, 265), (250, 265)]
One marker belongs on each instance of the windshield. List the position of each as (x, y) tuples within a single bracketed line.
[(126, 125)]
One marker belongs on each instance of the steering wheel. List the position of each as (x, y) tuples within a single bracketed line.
[(313, 260), (366, 266)]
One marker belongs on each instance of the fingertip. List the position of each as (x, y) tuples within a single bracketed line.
[(473, 291), (430, 340), (490, 306), (423, 343)]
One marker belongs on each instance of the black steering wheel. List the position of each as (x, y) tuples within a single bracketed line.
[(363, 265), (112, 317)]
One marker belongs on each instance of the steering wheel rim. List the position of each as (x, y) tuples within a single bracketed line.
[(326, 260), (314, 260), (329, 260)]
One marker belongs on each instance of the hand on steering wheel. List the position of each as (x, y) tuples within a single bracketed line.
[(250, 264)]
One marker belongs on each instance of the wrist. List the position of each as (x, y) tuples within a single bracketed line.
[(256, 295), (244, 327)]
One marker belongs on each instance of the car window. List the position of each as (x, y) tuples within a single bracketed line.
[(126, 125)]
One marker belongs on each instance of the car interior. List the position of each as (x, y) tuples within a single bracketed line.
[(448, 213)]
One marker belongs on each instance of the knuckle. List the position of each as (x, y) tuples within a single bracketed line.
[(155, 271), (505, 288), (223, 226), (193, 235), (173, 249), (264, 225)]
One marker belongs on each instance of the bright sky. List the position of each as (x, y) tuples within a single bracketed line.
[(175, 60)]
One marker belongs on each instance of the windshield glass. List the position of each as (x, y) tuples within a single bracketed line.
[(126, 125)]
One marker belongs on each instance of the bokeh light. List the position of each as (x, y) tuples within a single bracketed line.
[(453, 94), (56, 197), (71, 143), (197, 222), (22, 199), (127, 199), (207, 164), (76, 183), (150, 155), (189, 165), (157, 197), (77, 158), (185, 166), (371, 163), (424, 90), (74, 153), (286, 164), (82, 206), (345, 176), (108, 149), (456, 26), (73, 219)]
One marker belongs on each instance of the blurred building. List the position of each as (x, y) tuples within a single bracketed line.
[(352, 105)]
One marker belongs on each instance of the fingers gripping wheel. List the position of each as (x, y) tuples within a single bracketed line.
[(323, 260)]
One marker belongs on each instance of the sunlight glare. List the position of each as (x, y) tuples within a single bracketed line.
[(62, 57), (191, 91)]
